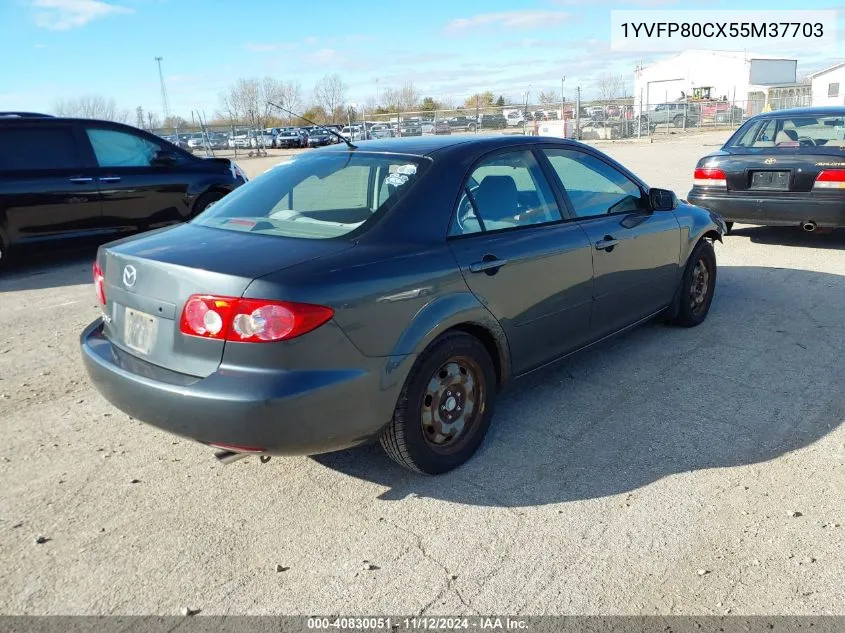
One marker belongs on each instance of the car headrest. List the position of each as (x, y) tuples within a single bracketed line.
[(496, 198), (786, 136)]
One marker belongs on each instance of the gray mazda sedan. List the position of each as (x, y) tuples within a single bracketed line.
[(388, 290)]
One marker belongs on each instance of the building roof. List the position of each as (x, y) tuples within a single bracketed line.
[(826, 70), (740, 55)]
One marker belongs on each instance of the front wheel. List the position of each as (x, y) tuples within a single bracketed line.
[(205, 201), (4, 253), (445, 406), (697, 286)]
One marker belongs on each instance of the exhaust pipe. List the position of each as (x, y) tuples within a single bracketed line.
[(809, 226), (228, 457)]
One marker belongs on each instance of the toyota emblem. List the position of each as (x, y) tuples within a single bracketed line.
[(130, 275), (770, 161)]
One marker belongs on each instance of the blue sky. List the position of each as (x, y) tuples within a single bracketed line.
[(55, 49)]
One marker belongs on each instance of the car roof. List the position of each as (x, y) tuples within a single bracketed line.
[(426, 145), (808, 111)]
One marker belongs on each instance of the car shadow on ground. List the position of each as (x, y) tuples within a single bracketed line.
[(760, 378), (40, 269), (792, 236)]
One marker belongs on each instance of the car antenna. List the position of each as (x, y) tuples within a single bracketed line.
[(322, 127)]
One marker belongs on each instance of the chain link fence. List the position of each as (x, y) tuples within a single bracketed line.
[(584, 120)]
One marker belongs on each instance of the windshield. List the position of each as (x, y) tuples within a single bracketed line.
[(826, 133), (318, 196)]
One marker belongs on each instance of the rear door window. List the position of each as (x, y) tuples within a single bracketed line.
[(506, 191), (46, 147), (115, 148)]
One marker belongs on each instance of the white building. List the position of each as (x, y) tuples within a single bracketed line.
[(752, 81), (828, 86)]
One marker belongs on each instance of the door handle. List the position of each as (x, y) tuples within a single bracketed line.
[(606, 243), (109, 178), (489, 264), (80, 180)]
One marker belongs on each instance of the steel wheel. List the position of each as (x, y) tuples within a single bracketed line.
[(452, 404), (700, 287)]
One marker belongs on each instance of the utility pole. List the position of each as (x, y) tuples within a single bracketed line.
[(562, 98), (150, 118), (164, 104), (140, 121)]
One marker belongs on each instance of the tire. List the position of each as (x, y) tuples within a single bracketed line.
[(678, 121), (471, 128), (697, 286), (730, 227), (4, 253), (204, 200), (418, 437)]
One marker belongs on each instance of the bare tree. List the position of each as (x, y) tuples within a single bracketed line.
[(91, 107), (330, 94), (407, 97), (610, 85), (290, 97), (152, 121), (548, 98)]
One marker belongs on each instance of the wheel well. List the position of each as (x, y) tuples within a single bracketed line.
[(214, 189), (712, 235), (489, 341)]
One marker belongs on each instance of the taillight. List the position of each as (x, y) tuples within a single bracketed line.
[(830, 179), (249, 320), (707, 177), (99, 283)]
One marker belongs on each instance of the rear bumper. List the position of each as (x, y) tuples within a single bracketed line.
[(282, 412), (788, 210)]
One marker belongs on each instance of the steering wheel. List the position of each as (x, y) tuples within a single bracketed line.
[(806, 141)]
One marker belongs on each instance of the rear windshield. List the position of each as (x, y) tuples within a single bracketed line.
[(320, 195), (795, 132)]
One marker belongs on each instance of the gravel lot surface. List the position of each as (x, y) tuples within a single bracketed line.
[(669, 471)]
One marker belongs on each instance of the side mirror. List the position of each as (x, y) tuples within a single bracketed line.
[(164, 158), (662, 199)]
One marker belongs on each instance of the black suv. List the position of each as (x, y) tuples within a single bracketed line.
[(65, 178)]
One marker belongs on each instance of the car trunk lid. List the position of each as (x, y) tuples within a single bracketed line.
[(148, 279), (777, 172)]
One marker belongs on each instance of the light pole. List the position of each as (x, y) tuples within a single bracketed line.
[(562, 98)]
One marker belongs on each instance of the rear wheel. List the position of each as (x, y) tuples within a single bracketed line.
[(679, 121), (730, 227), (697, 286), (445, 406), (4, 253), (205, 200)]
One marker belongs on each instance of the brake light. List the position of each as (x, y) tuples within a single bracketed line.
[(830, 179), (707, 177), (99, 283), (249, 320)]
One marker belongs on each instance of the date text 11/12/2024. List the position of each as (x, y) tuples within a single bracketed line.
[(417, 623)]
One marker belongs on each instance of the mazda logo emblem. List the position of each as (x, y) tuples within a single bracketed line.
[(129, 276)]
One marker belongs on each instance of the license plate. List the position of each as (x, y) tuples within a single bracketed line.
[(777, 180), (139, 330)]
